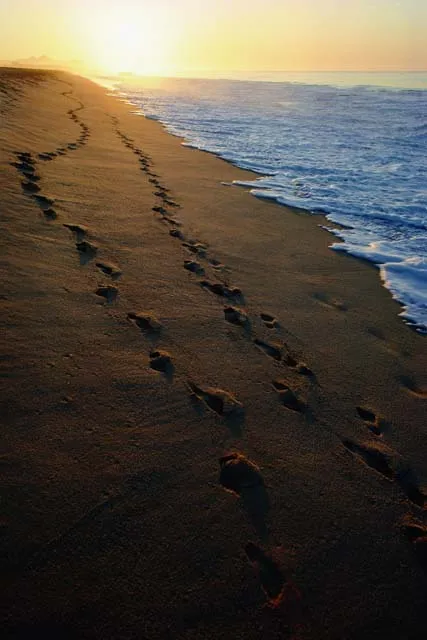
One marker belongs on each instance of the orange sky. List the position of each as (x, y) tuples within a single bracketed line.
[(191, 36)]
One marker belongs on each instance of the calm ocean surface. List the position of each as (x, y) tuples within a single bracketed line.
[(350, 145)]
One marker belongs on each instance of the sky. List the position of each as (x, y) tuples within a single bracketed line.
[(190, 37)]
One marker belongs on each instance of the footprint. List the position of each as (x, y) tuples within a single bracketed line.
[(235, 316), (220, 401), (146, 322), (304, 370), (161, 210), (216, 264), (392, 466), (109, 293), (43, 201), (269, 320), (30, 187), (271, 350), (161, 361), (45, 156), (414, 529), (79, 229), (243, 478), (87, 249), (176, 233), (409, 383), (26, 168), (290, 361), (420, 546), (330, 302), (194, 267), (280, 352), (238, 473), (23, 163), (271, 575), (50, 214), (371, 420), (23, 166), (24, 156), (366, 414), (410, 485), (196, 247), (172, 221), (376, 456), (220, 289), (171, 203), (417, 534), (109, 269), (287, 396), (377, 333), (31, 177)]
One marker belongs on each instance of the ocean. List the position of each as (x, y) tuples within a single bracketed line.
[(348, 145)]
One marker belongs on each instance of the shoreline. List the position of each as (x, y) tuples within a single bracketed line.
[(214, 424), (404, 298)]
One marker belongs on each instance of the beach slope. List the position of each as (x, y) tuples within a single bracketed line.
[(213, 426)]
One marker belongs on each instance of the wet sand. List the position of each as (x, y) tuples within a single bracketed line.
[(213, 425)]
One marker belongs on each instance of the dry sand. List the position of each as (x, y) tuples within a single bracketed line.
[(171, 468)]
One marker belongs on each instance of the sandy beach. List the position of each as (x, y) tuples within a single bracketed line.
[(213, 425)]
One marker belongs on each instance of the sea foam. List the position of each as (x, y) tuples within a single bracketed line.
[(356, 154)]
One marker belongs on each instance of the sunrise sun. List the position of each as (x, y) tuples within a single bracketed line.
[(127, 44)]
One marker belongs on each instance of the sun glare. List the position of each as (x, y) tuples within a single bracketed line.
[(129, 44)]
